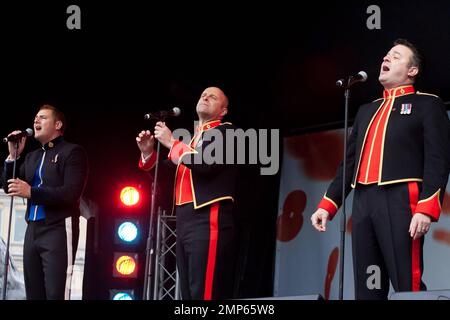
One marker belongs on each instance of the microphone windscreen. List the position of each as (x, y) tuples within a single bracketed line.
[(363, 75), (340, 83), (176, 111)]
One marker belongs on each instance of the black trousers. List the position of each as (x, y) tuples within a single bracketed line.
[(48, 258), (381, 241), (206, 251)]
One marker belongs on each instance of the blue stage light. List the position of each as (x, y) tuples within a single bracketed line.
[(122, 296), (127, 231)]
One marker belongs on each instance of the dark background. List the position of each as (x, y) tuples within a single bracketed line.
[(278, 62)]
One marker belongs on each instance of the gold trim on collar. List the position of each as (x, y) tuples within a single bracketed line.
[(209, 125), (394, 92)]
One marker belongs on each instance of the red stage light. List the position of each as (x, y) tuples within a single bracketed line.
[(129, 196)]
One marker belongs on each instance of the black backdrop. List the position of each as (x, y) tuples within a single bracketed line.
[(278, 63)]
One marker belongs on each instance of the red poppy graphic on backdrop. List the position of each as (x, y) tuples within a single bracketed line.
[(333, 260), (442, 235), (290, 222), (446, 204), (320, 153), (348, 229)]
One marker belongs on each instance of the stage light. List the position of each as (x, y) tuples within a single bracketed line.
[(129, 196), (127, 231), (126, 228), (125, 265), (116, 294), (122, 296)]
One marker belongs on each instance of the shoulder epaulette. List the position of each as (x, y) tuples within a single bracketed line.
[(427, 94)]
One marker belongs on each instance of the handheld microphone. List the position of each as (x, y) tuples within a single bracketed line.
[(360, 77), (174, 112), (15, 137)]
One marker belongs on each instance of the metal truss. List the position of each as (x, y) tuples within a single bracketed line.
[(166, 281)]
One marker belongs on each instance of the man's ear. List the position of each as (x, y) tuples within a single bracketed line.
[(413, 71), (58, 125), (224, 112)]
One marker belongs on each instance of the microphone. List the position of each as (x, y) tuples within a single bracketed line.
[(15, 137), (360, 77), (174, 112)]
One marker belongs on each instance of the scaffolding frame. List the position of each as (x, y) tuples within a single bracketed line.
[(166, 279)]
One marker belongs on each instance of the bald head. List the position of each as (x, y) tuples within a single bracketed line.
[(212, 105)]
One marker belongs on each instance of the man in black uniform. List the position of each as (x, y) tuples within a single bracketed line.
[(398, 164), (203, 200), (52, 178)]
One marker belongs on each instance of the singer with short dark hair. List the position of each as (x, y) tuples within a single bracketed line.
[(52, 179), (398, 165), (203, 198)]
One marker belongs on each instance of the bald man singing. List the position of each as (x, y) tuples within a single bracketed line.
[(203, 199)]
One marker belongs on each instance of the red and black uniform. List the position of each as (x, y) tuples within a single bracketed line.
[(203, 201), (398, 163)]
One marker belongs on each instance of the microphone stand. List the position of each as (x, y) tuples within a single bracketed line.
[(149, 252), (346, 85), (6, 265)]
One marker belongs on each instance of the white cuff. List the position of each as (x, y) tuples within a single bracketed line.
[(9, 160), (144, 160)]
